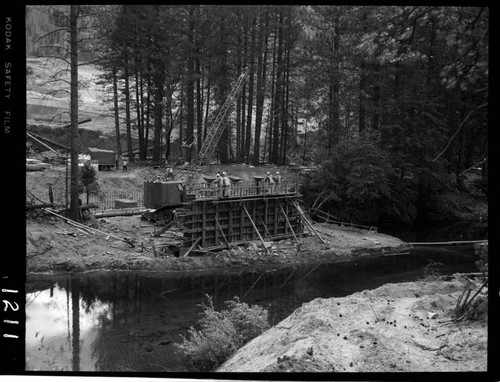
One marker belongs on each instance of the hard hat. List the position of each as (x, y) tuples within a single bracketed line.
[(224, 173), (277, 172), (268, 173)]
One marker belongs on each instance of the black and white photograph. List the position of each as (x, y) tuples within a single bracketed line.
[(256, 191)]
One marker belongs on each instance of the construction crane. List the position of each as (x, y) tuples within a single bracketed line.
[(165, 196), (214, 132)]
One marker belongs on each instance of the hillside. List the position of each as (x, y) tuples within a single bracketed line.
[(48, 102)]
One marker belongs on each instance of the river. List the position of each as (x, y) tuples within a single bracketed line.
[(130, 321)]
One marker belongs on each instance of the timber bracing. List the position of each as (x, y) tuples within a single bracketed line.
[(248, 214)]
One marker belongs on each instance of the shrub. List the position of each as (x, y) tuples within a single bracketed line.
[(88, 181), (360, 184), (432, 270), (222, 333)]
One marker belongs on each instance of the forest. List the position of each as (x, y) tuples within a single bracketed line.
[(389, 102)]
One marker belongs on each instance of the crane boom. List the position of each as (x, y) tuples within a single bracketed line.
[(215, 130)]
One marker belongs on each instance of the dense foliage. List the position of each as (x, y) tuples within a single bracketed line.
[(413, 78), (359, 183), (222, 333)]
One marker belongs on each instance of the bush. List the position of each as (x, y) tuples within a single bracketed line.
[(360, 184), (222, 333), (88, 181)]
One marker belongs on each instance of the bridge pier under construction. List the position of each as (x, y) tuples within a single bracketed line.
[(214, 223)]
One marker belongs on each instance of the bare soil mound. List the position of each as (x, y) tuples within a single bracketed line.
[(398, 327)]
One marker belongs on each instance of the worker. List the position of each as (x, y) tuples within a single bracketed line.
[(270, 183), (170, 173), (117, 163), (277, 180), (226, 183), (125, 165), (218, 184)]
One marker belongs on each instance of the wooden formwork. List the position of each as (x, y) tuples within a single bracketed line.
[(242, 217)]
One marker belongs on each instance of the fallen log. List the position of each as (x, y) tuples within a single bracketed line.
[(76, 224), (112, 213), (459, 242), (30, 207)]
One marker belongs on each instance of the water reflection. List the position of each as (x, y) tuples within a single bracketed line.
[(130, 321)]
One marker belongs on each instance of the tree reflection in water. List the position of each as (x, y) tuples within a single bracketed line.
[(130, 321)]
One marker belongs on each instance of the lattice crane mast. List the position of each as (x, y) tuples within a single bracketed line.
[(214, 132)]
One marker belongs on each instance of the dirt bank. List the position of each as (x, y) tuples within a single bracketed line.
[(53, 245), (405, 327)]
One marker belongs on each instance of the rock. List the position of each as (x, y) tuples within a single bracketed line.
[(36, 235), (431, 315)]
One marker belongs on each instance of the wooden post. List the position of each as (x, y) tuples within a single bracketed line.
[(192, 246), (265, 227), (289, 224), (221, 231), (308, 222), (203, 224), (256, 230), (51, 194)]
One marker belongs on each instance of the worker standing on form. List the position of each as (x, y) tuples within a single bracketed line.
[(226, 183), (218, 184), (277, 180), (270, 183)]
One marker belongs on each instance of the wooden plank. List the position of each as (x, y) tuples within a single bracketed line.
[(192, 246), (275, 217), (89, 228), (203, 224), (221, 231), (216, 230), (266, 211), (297, 207), (256, 230), (449, 242), (230, 224), (291, 228)]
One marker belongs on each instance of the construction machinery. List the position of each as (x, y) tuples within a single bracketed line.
[(164, 195)]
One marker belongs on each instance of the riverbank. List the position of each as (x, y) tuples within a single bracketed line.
[(405, 327), (54, 246)]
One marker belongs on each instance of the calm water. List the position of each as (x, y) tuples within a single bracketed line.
[(130, 321)]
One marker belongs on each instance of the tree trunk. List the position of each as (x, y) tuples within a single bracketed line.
[(248, 137), (286, 99), (270, 120), (261, 78), (240, 67), (144, 152), (208, 106), (362, 98), (116, 113), (127, 109), (159, 79), (243, 96), (278, 93), (140, 129), (148, 106), (190, 88), (199, 105), (74, 200)]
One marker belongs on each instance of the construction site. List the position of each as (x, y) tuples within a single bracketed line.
[(253, 232)]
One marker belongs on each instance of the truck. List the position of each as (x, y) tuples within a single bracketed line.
[(105, 158)]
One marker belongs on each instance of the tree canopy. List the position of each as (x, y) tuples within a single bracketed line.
[(394, 91)]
